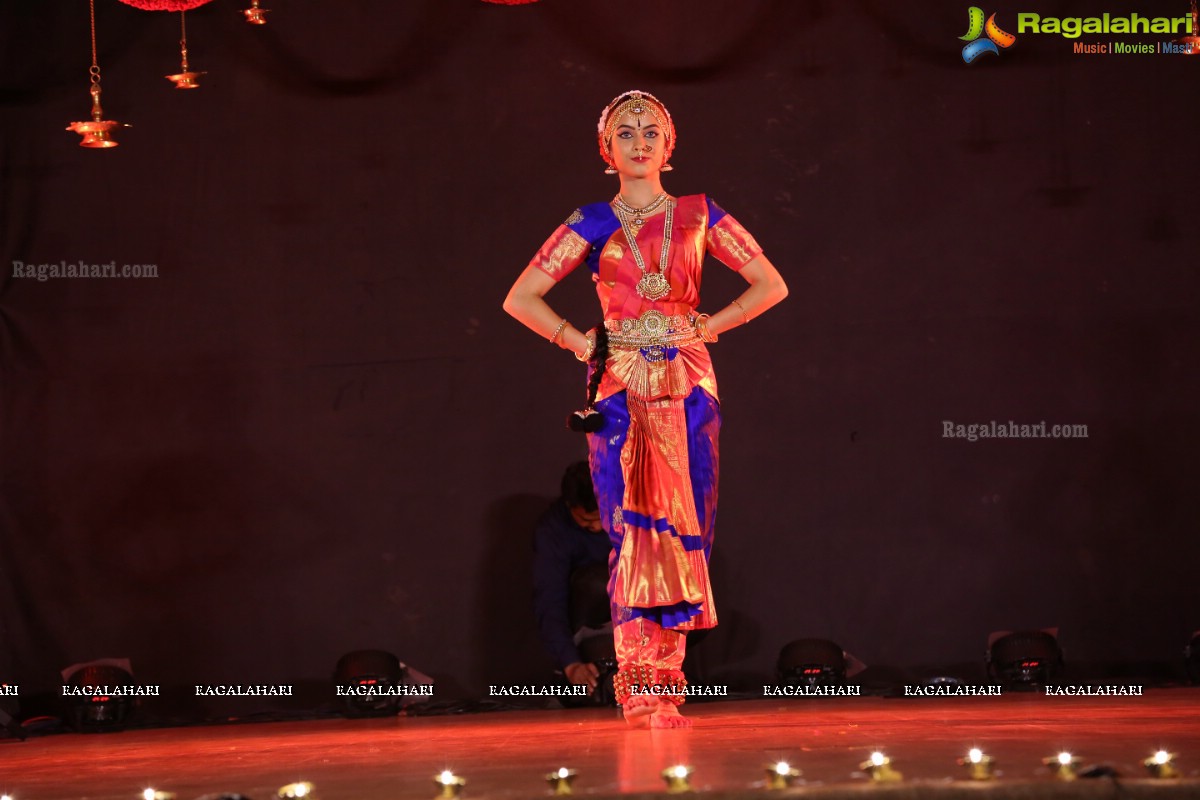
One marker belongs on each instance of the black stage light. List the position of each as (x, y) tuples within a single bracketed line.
[(99, 696), (1191, 658), (10, 711), (370, 682), (942, 682), (811, 662), (1024, 658)]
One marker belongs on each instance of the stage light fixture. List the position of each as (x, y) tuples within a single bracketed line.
[(781, 774), (1066, 765), (1160, 765), (296, 791), (979, 765), (811, 662), (678, 778), (94, 712), (449, 783), (1191, 656), (560, 780), (154, 794), (1024, 659), (373, 673), (5, 797), (879, 767), (10, 711)]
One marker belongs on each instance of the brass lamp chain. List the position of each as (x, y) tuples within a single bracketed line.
[(95, 70), (183, 40)]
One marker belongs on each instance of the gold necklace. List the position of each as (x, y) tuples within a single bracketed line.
[(652, 285), (638, 213)]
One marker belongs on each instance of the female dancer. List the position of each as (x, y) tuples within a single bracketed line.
[(653, 415)]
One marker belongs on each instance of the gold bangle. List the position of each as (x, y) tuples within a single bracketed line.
[(586, 355), (702, 328), (558, 331), (742, 308)]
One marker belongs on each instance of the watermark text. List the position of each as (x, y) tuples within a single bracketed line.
[(406, 690), (123, 690), (812, 691), (1131, 690), (243, 690), (82, 269), (973, 432), (965, 690), (518, 690)]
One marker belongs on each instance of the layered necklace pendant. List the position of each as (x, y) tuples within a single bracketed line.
[(652, 285), (639, 213)]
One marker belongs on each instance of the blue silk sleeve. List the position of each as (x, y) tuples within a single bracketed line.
[(715, 212), (596, 223)]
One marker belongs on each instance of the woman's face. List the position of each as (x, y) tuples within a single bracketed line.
[(638, 145)]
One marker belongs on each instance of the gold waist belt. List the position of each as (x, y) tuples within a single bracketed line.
[(650, 329)]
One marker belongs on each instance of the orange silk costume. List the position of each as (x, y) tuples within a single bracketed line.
[(654, 460)]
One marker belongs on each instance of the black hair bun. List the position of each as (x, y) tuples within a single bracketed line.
[(587, 421)]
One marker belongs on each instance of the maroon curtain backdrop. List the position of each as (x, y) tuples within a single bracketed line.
[(315, 430)]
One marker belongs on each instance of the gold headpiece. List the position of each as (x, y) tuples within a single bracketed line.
[(635, 102)]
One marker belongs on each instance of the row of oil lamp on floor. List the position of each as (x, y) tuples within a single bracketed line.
[(780, 775), (97, 132)]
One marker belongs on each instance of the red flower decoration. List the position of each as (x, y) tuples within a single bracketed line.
[(166, 5)]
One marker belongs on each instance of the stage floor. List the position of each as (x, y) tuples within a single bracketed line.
[(506, 754)]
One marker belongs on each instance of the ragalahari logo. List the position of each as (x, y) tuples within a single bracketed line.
[(976, 27)]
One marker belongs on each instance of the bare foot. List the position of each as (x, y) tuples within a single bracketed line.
[(638, 709), (668, 716)]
